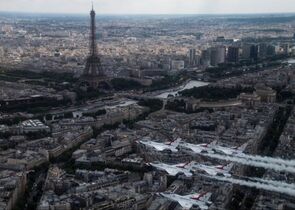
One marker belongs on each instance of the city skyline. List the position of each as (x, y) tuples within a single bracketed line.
[(150, 6), (154, 104)]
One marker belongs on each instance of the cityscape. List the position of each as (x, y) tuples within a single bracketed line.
[(147, 111)]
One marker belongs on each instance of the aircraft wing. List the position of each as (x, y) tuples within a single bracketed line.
[(162, 147), (209, 171), (185, 204), (175, 171), (155, 145), (171, 171), (159, 147), (203, 206), (188, 201), (196, 148), (224, 150), (167, 168)]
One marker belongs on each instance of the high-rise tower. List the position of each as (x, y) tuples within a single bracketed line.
[(93, 66)]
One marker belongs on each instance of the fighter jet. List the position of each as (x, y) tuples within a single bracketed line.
[(188, 201), (219, 170), (197, 148), (172, 145), (230, 150), (174, 170)]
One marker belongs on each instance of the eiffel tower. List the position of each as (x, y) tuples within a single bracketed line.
[(93, 73)]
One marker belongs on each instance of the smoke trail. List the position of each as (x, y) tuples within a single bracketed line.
[(278, 161), (251, 162), (272, 182), (257, 185), (268, 159)]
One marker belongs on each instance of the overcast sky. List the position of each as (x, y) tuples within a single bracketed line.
[(150, 6)]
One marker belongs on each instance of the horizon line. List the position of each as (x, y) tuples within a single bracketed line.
[(147, 14)]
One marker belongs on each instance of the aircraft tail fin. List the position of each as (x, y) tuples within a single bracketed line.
[(206, 197), (228, 167), (213, 143), (243, 147), (176, 142)]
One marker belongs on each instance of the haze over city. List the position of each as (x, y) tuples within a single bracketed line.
[(150, 6), (147, 104)]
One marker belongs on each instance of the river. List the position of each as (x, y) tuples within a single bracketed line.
[(291, 61), (164, 93), (191, 84)]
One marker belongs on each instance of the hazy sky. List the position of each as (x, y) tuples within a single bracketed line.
[(150, 6)]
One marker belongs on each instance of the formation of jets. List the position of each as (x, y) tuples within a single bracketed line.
[(212, 147), (187, 169), (188, 201)]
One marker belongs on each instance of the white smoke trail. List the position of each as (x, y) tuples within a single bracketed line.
[(252, 162), (268, 159), (264, 159), (257, 185), (272, 182)]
